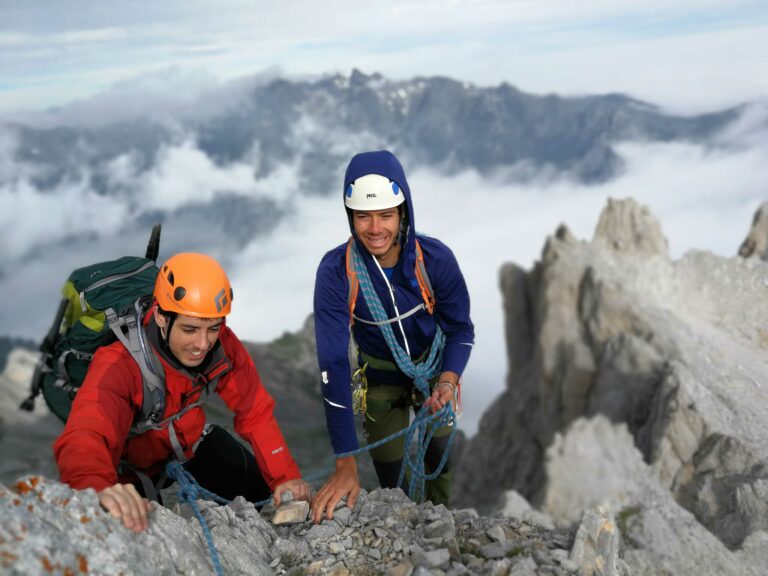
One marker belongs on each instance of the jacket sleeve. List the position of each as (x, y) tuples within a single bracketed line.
[(332, 337), (89, 449), (255, 422), (452, 308)]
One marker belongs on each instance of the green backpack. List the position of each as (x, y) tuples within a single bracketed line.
[(101, 303)]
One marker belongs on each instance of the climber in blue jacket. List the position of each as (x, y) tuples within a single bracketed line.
[(426, 306)]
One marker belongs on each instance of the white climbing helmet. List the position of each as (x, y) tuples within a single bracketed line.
[(373, 192)]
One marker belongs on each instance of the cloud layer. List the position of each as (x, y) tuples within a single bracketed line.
[(704, 196)]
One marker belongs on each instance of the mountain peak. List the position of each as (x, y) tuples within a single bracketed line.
[(627, 226)]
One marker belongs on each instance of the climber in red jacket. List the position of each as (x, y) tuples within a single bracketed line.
[(101, 447)]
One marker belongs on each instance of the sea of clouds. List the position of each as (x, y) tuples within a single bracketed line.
[(703, 195)]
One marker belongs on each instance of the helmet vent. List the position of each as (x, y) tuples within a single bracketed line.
[(179, 293), (170, 278)]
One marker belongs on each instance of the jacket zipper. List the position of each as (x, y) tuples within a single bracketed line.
[(394, 303)]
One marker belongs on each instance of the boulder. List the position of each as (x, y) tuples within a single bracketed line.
[(596, 466)]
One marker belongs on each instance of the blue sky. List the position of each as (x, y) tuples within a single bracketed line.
[(684, 54)]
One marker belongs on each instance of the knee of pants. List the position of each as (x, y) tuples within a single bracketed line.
[(388, 473), (390, 452), (227, 468), (435, 450), (382, 420)]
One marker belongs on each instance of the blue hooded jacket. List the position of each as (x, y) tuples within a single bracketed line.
[(331, 309)]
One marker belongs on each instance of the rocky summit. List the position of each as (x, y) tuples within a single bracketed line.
[(641, 384), (49, 528)]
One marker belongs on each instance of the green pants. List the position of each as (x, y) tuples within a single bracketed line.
[(389, 411)]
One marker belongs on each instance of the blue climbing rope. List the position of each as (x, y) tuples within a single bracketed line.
[(189, 491), (419, 436)]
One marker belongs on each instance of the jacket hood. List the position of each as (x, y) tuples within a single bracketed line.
[(384, 163)]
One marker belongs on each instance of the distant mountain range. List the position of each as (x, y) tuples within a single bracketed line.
[(433, 121), (313, 128)]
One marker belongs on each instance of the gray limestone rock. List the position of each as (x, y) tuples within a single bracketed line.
[(432, 559), (491, 551), (46, 525), (610, 473), (25, 437), (496, 533), (756, 242), (291, 512), (443, 528), (524, 567), (654, 533), (342, 516), (515, 505), (322, 531), (404, 568), (674, 351), (626, 226), (540, 519), (596, 550)]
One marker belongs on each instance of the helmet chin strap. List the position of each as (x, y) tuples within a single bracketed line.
[(402, 235), (171, 320), (165, 333)]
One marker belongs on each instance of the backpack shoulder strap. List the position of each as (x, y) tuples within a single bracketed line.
[(427, 293), (353, 282), (130, 331)]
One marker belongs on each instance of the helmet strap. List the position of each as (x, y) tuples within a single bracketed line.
[(165, 334), (402, 235)]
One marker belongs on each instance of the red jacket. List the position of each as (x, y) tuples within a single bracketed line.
[(95, 438)]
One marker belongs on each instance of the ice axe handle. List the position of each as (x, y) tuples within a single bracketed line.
[(153, 246), (46, 351)]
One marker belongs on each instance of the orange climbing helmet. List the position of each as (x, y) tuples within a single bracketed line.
[(195, 285)]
